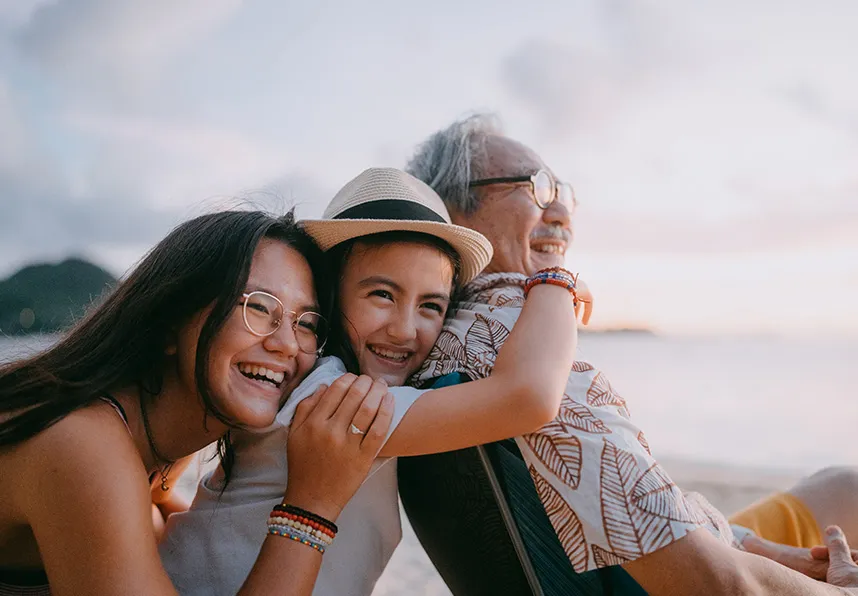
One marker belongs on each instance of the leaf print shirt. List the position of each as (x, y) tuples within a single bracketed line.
[(607, 498)]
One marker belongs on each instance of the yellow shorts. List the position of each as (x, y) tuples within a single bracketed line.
[(781, 518)]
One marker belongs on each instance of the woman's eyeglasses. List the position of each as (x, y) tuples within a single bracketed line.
[(263, 315), (543, 188)]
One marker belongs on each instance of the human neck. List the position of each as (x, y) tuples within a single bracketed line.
[(177, 424)]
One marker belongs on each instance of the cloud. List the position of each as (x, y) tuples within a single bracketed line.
[(37, 225), (15, 145), (116, 49), (171, 163), (696, 129), (14, 13), (613, 234), (608, 57)]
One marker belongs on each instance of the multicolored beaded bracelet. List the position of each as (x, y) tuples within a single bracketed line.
[(553, 272), (286, 533), (303, 520), (318, 534), (296, 531), (301, 526), (557, 276), (286, 508)]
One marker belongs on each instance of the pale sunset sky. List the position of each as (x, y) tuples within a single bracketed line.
[(713, 145)]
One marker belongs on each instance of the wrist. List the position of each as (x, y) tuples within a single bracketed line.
[(556, 276), (315, 503)]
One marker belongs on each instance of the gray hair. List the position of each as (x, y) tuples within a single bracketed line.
[(449, 159)]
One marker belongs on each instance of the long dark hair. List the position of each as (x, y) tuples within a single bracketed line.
[(121, 343), (338, 341)]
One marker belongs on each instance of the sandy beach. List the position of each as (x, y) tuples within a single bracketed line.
[(729, 488)]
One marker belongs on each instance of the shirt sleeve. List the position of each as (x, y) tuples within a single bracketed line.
[(326, 371), (606, 496), (403, 398)]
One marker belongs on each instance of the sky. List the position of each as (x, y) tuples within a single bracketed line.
[(713, 146)]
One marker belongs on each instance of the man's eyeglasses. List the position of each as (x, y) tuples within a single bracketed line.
[(263, 315), (543, 188)]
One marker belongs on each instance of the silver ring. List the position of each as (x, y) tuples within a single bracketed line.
[(355, 430)]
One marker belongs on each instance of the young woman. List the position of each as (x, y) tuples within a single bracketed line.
[(400, 262), (173, 360)]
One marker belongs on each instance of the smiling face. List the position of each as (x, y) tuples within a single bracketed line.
[(394, 298), (251, 376), (525, 238)]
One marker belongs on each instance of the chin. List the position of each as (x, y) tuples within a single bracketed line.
[(251, 411), (259, 419)]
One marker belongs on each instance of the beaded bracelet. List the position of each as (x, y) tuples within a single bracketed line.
[(296, 532), (557, 276), (318, 534), (286, 508), (287, 532), (304, 520), (552, 273), (303, 528)]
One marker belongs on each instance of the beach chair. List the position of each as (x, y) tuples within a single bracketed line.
[(477, 515)]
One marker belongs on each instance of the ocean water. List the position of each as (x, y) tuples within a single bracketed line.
[(761, 402)]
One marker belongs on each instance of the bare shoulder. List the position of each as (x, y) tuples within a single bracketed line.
[(83, 489), (89, 452)]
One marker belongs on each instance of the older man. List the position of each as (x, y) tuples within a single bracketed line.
[(608, 501)]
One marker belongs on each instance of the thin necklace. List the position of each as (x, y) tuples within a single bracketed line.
[(169, 465)]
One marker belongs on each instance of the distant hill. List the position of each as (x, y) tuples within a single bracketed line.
[(46, 298)]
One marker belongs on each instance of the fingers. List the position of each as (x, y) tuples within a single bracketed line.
[(821, 553), (588, 310), (585, 298), (331, 399), (377, 432), (349, 404), (307, 406), (756, 545), (368, 408), (795, 558), (838, 549)]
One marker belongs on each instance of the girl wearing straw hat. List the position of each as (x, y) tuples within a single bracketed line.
[(398, 263)]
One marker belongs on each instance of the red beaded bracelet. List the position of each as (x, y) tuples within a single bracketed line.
[(292, 509), (557, 276), (303, 520)]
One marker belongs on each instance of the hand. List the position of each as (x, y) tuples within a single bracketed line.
[(328, 462), (842, 570), (585, 300), (798, 559), (821, 553)]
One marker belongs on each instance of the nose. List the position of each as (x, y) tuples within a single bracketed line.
[(283, 341), (558, 214), (403, 328)]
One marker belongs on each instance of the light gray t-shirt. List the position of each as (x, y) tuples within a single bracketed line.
[(210, 549)]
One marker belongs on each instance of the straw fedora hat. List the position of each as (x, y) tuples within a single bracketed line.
[(386, 200)]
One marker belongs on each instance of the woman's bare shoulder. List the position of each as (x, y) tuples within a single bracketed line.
[(90, 446)]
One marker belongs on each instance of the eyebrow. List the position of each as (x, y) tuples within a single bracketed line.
[(313, 307), (380, 279)]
